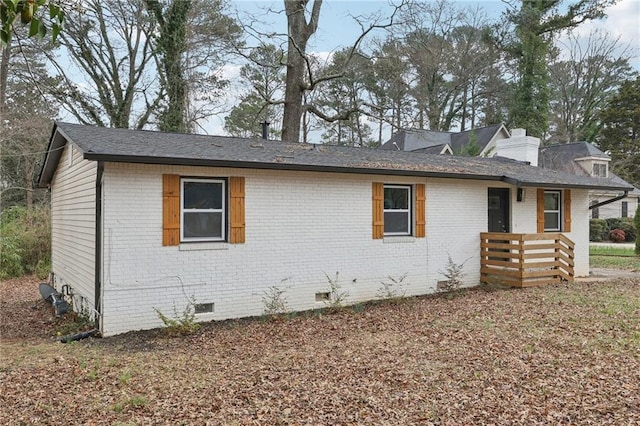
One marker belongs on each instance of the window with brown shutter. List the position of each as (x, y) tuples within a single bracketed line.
[(420, 211), (236, 193), (396, 212), (170, 210), (378, 210), (196, 210), (553, 210), (567, 210)]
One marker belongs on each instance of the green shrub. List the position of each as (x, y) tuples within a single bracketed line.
[(25, 241), (181, 324), (597, 228), (613, 223), (629, 228), (636, 221)]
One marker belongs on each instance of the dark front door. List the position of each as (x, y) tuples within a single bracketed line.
[(498, 202)]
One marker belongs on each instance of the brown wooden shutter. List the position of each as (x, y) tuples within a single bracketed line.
[(567, 210), (237, 225), (378, 210), (420, 211), (170, 210), (540, 210)]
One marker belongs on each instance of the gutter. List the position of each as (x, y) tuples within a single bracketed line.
[(98, 247), (612, 200)]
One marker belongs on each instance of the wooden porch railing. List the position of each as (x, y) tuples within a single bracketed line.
[(525, 260)]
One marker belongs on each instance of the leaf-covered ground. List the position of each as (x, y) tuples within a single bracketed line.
[(567, 354)]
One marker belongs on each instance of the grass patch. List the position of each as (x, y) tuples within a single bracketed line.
[(615, 262), (611, 251)]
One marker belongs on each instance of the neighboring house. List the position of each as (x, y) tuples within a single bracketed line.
[(146, 220), (584, 159), (433, 142), (581, 158)]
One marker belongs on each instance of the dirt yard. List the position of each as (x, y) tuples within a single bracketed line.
[(566, 354)]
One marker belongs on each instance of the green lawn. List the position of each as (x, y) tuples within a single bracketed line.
[(613, 257)]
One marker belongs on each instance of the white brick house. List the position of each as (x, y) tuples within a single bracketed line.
[(144, 220)]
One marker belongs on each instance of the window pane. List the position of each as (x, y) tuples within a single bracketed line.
[(202, 225), (396, 198), (396, 222), (551, 201), (552, 221), (202, 195)]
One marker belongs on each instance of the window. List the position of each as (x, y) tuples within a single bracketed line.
[(203, 210), (625, 209), (599, 170), (552, 210), (595, 212), (397, 210), (199, 210)]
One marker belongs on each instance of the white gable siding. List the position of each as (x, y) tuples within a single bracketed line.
[(73, 223), (614, 210)]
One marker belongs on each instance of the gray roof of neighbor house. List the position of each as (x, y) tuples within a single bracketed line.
[(481, 135), (419, 139), (149, 147), (562, 157)]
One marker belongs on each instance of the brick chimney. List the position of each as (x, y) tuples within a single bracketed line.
[(519, 147)]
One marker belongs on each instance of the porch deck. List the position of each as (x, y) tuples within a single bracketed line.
[(525, 260)]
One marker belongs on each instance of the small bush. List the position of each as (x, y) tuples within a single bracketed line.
[(597, 228), (630, 230), (453, 274), (617, 235), (25, 241), (181, 324), (392, 289), (274, 300), (337, 296)]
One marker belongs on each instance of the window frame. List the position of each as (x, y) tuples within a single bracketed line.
[(224, 211), (625, 209), (595, 212), (558, 211), (599, 170), (408, 210)]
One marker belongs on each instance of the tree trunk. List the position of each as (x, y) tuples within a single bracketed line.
[(299, 33), (4, 75)]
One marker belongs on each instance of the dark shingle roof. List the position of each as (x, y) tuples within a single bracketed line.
[(481, 135), (562, 157), (419, 139), (416, 139), (141, 146)]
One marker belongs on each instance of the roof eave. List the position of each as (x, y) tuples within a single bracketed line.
[(52, 157), (281, 166), (521, 183)]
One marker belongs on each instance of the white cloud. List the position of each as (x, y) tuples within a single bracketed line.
[(622, 22)]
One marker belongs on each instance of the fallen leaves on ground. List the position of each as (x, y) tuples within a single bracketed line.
[(566, 354)]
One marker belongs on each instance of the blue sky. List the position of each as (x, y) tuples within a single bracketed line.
[(338, 29)]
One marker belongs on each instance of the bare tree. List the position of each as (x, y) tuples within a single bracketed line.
[(25, 117), (582, 82), (111, 79), (301, 76)]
